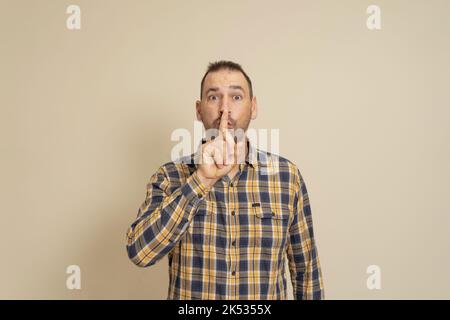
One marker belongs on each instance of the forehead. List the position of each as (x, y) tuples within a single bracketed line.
[(224, 78)]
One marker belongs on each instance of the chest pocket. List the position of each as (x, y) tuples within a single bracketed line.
[(271, 225), (202, 217), (202, 228)]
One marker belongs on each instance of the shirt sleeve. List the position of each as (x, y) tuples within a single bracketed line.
[(304, 264), (163, 217)]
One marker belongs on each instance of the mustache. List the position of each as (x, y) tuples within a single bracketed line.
[(217, 121)]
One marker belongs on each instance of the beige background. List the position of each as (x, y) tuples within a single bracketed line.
[(86, 118)]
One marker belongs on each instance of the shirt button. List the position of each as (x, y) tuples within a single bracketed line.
[(273, 213), (200, 195), (232, 213), (233, 273), (234, 242), (231, 185)]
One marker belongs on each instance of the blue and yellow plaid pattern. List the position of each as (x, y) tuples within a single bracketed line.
[(229, 241)]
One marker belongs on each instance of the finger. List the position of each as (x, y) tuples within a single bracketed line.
[(230, 148), (207, 154), (223, 123), (207, 159), (218, 158), (224, 146)]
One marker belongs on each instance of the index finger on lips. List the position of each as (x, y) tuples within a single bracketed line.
[(223, 123)]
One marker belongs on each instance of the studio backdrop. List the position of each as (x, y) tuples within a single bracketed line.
[(92, 92)]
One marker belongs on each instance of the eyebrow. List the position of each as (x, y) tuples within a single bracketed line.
[(237, 88), (231, 87)]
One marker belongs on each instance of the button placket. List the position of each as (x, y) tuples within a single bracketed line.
[(232, 248)]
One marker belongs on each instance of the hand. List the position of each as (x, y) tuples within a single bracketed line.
[(218, 156)]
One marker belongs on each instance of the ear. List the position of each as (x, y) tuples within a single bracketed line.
[(254, 108), (197, 110)]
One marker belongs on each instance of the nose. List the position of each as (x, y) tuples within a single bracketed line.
[(224, 107)]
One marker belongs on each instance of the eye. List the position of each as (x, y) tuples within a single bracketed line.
[(212, 97), (237, 97)]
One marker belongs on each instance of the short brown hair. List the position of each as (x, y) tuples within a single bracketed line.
[(229, 65)]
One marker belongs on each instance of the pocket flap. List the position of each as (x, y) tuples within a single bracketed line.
[(272, 211)]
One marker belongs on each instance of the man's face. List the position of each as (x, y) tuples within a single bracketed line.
[(226, 91)]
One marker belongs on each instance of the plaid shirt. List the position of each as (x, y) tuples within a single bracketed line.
[(229, 241)]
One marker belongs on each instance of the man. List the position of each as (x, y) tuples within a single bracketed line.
[(228, 214)]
